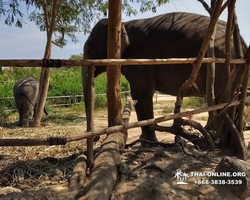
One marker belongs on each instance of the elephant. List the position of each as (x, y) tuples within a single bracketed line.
[(25, 94), (172, 35)]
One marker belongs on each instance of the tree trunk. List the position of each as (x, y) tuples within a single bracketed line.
[(104, 171), (44, 78)]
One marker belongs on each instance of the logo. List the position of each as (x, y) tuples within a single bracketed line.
[(181, 177)]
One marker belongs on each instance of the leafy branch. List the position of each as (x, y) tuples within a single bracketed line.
[(73, 16)]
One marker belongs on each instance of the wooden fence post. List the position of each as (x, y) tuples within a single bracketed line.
[(89, 114), (114, 72)]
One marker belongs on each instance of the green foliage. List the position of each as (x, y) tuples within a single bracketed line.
[(101, 88), (193, 102), (65, 82), (73, 16), (7, 80), (168, 108), (76, 57), (11, 9), (3, 116)]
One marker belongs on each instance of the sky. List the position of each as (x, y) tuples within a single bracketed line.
[(29, 43)]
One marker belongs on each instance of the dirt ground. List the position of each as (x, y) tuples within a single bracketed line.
[(42, 172)]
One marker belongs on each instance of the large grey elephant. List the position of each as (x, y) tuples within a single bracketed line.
[(173, 35), (25, 94)]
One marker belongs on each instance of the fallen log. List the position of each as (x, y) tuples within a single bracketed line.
[(78, 176), (104, 171)]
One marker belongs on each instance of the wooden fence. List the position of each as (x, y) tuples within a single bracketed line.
[(103, 62), (72, 99)]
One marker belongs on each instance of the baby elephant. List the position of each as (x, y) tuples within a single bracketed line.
[(25, 93)]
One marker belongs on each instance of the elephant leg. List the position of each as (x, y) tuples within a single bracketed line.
[(19, 104), (27, 108), (34, 113), (144, 111), (20, 111), (20, 118)]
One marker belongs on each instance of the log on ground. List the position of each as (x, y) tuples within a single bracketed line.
[(78, 176), (104, 171)]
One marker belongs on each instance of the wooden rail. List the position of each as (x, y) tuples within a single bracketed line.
[(98, 62)]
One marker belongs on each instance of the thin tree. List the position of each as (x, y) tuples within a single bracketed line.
[(44, 78)]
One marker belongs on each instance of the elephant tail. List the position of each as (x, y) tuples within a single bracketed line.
[(33, 104)]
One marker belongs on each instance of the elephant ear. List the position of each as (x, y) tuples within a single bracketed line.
[(124, 39)]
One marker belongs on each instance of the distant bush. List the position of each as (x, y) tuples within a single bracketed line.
[(193, 102), (101, 88), (3, 116), (65, 82)]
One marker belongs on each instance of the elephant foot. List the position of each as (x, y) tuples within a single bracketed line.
[(150, 140), (149, 137)]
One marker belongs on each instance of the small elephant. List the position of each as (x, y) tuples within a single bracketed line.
[(25, 94)]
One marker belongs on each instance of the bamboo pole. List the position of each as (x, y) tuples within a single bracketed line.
[(89, 114), (127, 110), (63, 141), (102, 62)]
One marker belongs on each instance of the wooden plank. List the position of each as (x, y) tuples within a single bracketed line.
[(103, 62)]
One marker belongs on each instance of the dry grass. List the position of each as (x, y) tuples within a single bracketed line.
[(36, 166), (32, 166)]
